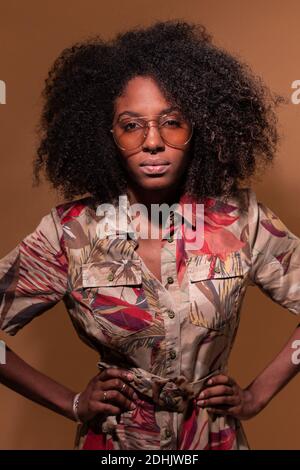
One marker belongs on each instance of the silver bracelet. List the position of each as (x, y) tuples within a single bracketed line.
[(75, 407)]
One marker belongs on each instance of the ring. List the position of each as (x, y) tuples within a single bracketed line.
[(123, 387), (104, 396)]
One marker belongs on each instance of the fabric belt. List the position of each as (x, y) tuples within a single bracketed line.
[(171, 394)]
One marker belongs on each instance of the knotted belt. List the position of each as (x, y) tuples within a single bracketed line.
[(171, 394)]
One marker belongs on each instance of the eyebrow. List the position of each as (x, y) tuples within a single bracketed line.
[(163, 111)]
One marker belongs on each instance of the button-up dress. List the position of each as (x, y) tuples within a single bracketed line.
[(171, 334)]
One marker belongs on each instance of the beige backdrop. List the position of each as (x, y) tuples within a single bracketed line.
[(263, 32)]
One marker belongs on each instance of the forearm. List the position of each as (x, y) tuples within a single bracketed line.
[(38, 387), (277, 374)]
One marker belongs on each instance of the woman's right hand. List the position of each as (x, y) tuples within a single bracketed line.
[(108, 393)]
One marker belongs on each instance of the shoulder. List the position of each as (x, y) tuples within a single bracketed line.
[(240, 203), (76, 222), (78, 208)]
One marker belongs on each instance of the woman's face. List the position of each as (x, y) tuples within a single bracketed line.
[(143, 97)]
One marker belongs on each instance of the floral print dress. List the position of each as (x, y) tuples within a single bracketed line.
[(171, 334)]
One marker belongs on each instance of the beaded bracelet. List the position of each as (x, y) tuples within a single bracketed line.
[(75, 407)]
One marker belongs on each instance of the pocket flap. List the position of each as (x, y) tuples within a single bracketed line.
[(202, 267), (121, 272)]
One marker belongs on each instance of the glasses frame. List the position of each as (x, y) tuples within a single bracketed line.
[(147, 127)]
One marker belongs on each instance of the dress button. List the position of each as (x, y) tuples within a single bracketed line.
[(171, 314), (110, 277), (172, 354), (170, 280), (217, 270), (168, 433), (170, 239)]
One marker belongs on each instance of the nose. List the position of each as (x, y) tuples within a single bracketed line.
[(153, 142)]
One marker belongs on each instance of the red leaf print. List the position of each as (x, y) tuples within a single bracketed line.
[(120, 313), (217, 239)]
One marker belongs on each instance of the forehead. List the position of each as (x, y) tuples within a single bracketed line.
[(143, 96)]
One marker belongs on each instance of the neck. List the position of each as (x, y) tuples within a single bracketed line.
[(146, 197)]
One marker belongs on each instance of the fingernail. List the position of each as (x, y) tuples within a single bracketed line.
[(129, 376), (135, 396), (201, 395), (132, 406), (210, 381)]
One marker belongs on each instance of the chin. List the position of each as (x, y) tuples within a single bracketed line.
[(156, 183)]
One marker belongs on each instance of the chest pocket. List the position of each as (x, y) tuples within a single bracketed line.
[(214, 288), (115, 295), (122, 272)]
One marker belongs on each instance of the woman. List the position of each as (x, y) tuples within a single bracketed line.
[(157, 115)]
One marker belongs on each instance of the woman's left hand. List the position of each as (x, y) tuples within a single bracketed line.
[(224, 396)]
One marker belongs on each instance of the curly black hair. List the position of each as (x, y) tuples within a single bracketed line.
[(235, 133)]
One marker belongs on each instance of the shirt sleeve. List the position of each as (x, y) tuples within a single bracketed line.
[(275, 253), (33, 276)]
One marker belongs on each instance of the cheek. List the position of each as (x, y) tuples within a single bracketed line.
[(182, 161), (131, 164)]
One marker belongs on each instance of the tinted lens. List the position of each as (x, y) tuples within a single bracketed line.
[(129, 133), (175, 130)]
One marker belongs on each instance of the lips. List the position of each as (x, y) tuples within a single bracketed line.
[(152, 167), (154, 162)]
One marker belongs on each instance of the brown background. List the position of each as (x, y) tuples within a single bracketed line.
[(264, 33)]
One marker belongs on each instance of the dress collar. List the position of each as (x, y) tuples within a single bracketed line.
[(117, 219)]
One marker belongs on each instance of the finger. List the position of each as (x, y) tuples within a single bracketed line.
[(220, 400), (221, 379), (114, 372), (119, 385), (116, 398), (220, 411), (216, 390), (97, 407)]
